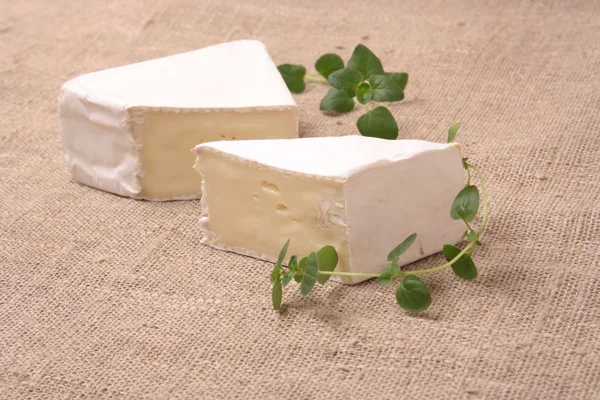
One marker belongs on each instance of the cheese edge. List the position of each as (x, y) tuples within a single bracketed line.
[(124, 135)]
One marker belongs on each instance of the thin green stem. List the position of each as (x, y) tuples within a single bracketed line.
[(366, 108), (441, 267), (468, 178), (468, 226), (417, 272), (348, 274), (315, 78), (484, 198)]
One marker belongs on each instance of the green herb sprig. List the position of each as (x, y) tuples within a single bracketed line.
[(412, 293), (308, 271), (364, 78)]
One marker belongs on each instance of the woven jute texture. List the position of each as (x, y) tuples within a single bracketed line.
[(113, 298)]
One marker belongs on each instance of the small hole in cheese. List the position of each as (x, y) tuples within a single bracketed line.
[(282, 208), (269, 187), (222, 136)]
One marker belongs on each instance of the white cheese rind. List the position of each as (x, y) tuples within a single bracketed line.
[(383, 191), (330, 156), (389, 201), (103, 114), (99, 147)]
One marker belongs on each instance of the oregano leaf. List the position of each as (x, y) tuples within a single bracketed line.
[(282, 252), (471, 236), (277, 294), (328, 259), (293, 76), (337, 101), (287, 277), (310, 274), (293, 264), (452, 131), (364, 93), (402, 247), (301, 268), (328, 63), (384, 89), (379, 123), (399, 78), (464, 266), (365, 61), (413, 294), (345, 80), (466, 204)]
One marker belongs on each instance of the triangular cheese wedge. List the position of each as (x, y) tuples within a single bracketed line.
[(129, 130), (361, 195)]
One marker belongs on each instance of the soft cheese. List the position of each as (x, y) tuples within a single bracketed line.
[(129, 130), (361, 195)]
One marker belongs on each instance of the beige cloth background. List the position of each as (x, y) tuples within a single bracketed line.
[(107, 297)]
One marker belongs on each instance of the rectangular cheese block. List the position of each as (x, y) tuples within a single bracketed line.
[(129, 130), (361, 195)]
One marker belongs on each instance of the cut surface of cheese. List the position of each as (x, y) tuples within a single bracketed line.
[(129, 130), (361, 195)]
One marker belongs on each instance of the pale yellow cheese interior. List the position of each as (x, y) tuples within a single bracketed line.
[(167, 138), (254, 209)]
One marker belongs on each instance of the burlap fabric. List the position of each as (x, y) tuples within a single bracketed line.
[(108, 297)]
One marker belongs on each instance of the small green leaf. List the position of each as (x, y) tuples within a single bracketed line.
[(301, 268), (293, 76), (464, 266), (402, 247), (364, 93), (310, 274), (453, 131), (465, 163), (379, 123), (465, 204), (293, 264), (287, 277), (413, 294), (328, 63), (478, 243), (328, 259), (364, 61), (384, 89), (389, 273), (471, 236), (282, 252), (276, 273), (336, 100), (277, 294), (399, 78), (345, 80)]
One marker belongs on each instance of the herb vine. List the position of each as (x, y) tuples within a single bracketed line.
[(413, 293), (364, 78)]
